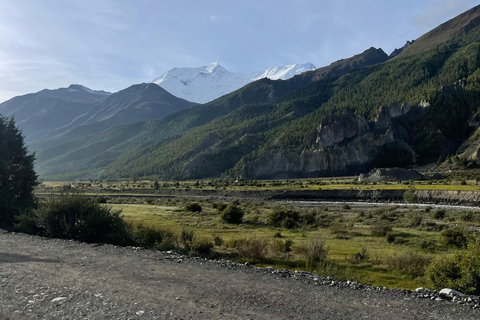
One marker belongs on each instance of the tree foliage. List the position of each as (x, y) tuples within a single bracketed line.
[(17, 175)]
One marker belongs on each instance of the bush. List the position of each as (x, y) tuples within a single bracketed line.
[(381, 229), (415, 220), (218, 240), (283, 218), (457, 237), (460, 271), (254, 249), (410, 262), (193, 207), (201, 246), (232, 214), (219, 206), (281, 246), (360, 257), (314, 251), (186, 237), (101, 199), (410, 196), (150, 237), (72, 216), (439, 214)]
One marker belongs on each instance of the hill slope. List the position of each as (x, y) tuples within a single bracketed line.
[(87, 155), (136, 103), (38, 113)]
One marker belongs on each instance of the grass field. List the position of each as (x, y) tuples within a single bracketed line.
[(345, 235)]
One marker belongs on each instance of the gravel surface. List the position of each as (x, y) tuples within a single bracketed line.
[(56, 279)]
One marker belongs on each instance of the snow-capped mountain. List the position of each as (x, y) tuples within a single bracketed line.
[(207, 83)]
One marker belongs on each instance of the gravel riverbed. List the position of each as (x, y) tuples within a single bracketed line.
[(43, 278)]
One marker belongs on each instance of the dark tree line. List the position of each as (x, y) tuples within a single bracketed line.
[(17, 175)]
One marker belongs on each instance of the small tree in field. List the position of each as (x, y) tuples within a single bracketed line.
[(17, 177), (410, 196)]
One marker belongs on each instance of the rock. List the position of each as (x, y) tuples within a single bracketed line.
[(336, 129), (420, 289), (387, 113), (451, 292), (59, 299), (390, 174), (436, 176)]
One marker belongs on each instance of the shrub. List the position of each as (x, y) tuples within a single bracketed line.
[(456, 237), (415, 220), (360, 257), (187, 236), (219, 206), (101, 199), (427, 245), (468, 216), (201, 246), (283, 218), (439, 214), (254, 249), (218, 240), (150, 237), (193, 207), (282, 246), (400, 240), (410, 262), (232, 214), (390, 237), (314, 251), (460, 271), (72, 216), (410, 196), (381, 229)]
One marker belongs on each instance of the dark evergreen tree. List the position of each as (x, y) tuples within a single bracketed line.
[(17, 175)]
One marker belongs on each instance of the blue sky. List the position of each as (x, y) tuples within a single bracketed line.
[(112, 44)]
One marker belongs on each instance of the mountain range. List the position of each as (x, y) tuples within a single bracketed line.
[(412, 107), (207, 83)]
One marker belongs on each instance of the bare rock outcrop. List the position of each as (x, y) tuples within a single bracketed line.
[(335, 130), (343, 144), (390, 174)]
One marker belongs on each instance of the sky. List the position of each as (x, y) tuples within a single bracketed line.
[(112, 44)]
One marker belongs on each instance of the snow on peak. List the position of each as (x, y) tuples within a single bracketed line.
[(79, 87), (286, 72), (206, 83)]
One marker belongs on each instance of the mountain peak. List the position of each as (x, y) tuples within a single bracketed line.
[(203, 84)]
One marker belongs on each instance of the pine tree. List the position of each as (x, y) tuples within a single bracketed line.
[(17, 175)]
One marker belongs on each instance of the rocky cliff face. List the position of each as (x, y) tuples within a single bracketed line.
[(344, 144)]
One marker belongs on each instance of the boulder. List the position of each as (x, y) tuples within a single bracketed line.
[(390, 174), (451, 292)]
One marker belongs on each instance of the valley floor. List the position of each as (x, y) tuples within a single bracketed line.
[(44, 278)]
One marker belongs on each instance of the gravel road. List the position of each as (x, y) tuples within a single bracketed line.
[(55, 279)]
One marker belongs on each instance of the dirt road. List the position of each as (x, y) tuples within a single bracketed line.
[(56, 279)]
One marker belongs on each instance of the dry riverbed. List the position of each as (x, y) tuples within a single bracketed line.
[(44, 278)]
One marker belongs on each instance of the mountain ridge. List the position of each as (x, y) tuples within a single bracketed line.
[(206, 83)]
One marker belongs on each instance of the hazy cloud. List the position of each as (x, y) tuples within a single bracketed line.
[(440, 11)]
